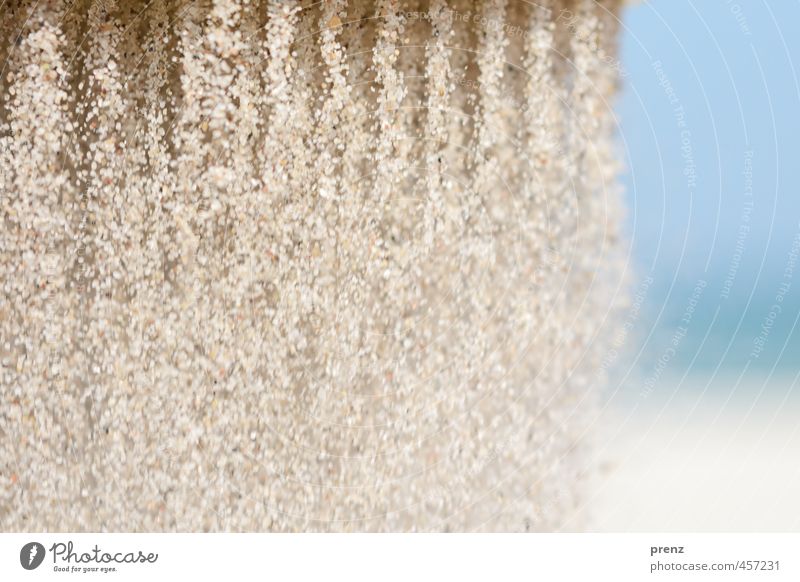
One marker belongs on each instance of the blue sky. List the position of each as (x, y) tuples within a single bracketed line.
[(710, 131)]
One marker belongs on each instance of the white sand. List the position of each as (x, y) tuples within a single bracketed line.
[(726, 461)]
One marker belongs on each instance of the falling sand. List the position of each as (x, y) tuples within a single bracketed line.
[(283, 265)]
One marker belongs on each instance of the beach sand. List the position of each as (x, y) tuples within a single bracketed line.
[(701, 456)]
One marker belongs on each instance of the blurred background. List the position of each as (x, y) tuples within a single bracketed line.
[(700, 429)]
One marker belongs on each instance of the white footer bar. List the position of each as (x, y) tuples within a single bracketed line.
[(402, 557)]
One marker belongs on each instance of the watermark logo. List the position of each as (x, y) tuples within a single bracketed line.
[(31, 555)]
